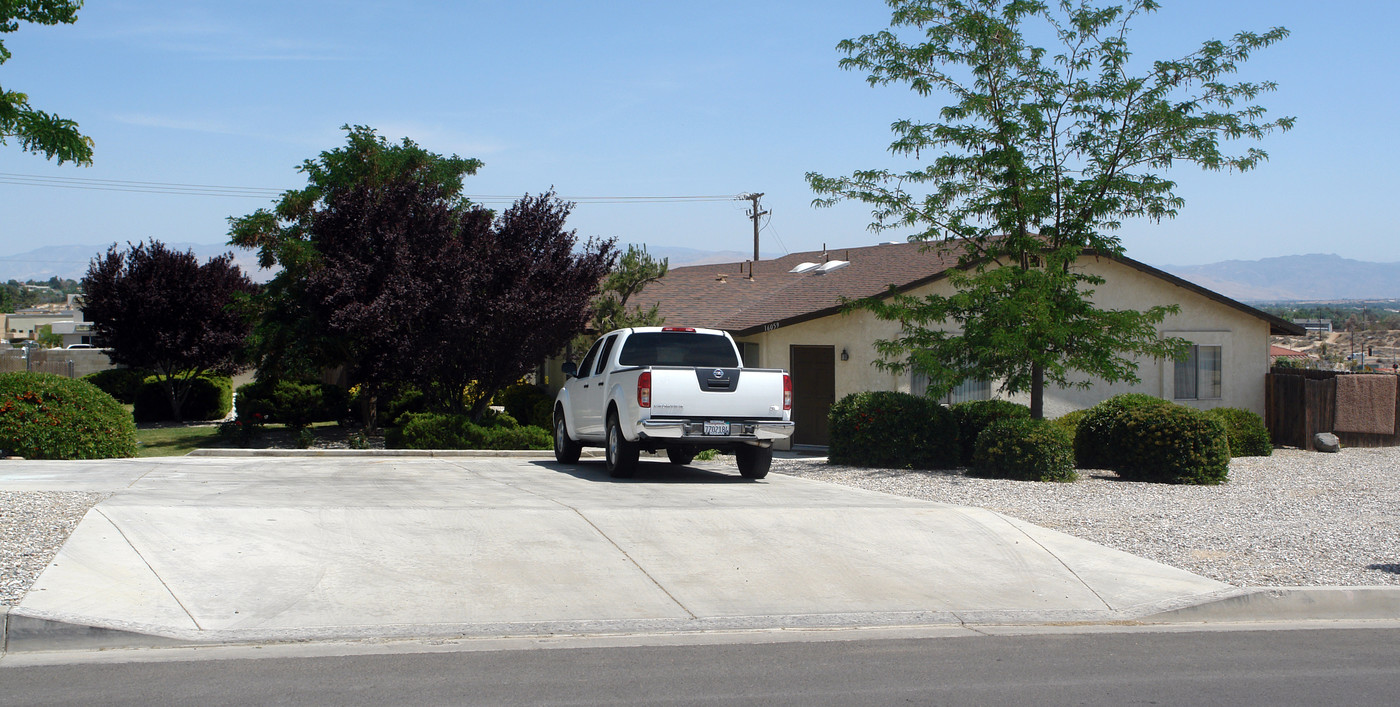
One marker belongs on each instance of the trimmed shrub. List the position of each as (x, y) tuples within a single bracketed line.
[(430, 430), (524, 402), (1024, 449), (1172, 444), (892, 430), (1248, 437), (973, 417), (1097, 435), (1069, 422), (210, 398), (292, 403), (120, 383), (43, 416)]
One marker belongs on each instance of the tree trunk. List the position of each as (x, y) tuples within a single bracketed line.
[(1037, 391), (370, 411), (168, 382)]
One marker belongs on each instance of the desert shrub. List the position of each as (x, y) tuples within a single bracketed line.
[(1248, 437), (1095, 439), (892, 430), (120, 383), (973, 417), (525, 402), (1172, 444), (292, 403), (43, 416), (430, 430), (210, 398), (1024, 449)]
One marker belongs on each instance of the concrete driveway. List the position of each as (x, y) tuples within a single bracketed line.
[(237, 550)]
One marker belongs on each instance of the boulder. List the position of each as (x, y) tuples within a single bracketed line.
[(1326, 442)]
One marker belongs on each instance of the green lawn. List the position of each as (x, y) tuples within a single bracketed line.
[(174, 441)]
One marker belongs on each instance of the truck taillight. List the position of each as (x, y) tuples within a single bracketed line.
[(787, 392), (644, 389), (679, 328)]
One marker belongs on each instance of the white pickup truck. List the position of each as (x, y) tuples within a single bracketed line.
[(675, 388)]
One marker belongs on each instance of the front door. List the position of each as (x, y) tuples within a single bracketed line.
[(813, 392)]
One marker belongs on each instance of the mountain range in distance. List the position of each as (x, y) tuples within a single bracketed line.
[(1280, 279), (1294, 278)]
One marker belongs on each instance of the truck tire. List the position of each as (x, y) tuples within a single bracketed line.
[(680, 456), (621, 455), (753, 461), (566, 450)]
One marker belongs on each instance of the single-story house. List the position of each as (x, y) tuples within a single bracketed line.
[(786, 313), (1276, 351)]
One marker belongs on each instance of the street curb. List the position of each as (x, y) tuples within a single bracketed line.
[(434, 453), (28, 631), (1257, 604)]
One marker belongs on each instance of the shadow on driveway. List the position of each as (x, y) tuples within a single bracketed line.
[(648, 472)]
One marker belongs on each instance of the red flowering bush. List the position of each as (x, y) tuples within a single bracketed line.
[(43, 416)]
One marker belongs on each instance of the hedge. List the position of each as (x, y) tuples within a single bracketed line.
[(430, 430), (892, 430), (1248, 437), (1024, 449), (43, 416), (210, 398), (292, 403), (974, 416), (120, 383)]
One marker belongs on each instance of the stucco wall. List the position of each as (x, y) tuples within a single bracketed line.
[(1244, 340)]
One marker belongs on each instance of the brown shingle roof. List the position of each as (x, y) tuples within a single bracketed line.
[(723, 296)]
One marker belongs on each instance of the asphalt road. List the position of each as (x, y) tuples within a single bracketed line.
[(1243, 667)]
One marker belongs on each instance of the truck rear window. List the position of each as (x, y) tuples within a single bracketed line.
[(677, 348)]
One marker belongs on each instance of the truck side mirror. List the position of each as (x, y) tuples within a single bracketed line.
[(570, 369)]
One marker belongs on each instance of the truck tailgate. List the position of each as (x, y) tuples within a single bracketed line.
[(677, 392)]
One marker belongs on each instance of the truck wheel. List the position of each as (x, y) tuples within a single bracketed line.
[(753, 461), (621, 454), (566, 450), (680, 456)]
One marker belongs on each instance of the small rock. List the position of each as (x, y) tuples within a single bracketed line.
[(1326, 442)]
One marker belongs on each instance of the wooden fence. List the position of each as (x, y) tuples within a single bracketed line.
[(1299, 403)]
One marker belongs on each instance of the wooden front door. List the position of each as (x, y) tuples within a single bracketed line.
[(813, 392)]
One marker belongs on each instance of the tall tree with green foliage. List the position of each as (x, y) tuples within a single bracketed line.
[(1036, 161), (37, 131)]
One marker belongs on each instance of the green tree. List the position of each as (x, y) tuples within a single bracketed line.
[(47, 338), (1037, 160), (634, 270), (35, 130)]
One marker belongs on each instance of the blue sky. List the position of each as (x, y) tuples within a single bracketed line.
[(640, 99)]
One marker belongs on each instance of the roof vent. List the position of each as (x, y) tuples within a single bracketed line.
[(830, 265), (805, 267)]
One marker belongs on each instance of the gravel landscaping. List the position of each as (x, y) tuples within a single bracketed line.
[(1296, 518), (33, 524)]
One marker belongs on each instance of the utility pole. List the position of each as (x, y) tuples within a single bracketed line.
[(754, 214)]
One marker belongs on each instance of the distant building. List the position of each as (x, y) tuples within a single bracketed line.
[(1315, 326), (24, 324)]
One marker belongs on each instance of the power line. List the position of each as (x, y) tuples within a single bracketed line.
[(121, 185)]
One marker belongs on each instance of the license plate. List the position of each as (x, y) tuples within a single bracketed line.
[(716, 428)]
